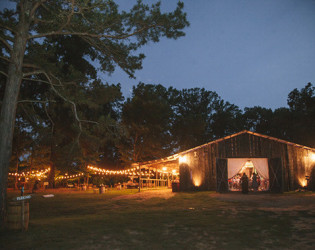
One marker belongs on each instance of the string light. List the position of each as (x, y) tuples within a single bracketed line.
[(37, 173), (129, 172), (69, 176), (99, 171)]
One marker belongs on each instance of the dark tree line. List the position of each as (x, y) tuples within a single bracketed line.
[(153, 123), (160, 121)]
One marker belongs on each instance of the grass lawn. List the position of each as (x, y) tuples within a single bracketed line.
[(201, 220)]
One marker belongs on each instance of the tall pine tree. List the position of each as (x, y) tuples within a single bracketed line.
[(113, 36)]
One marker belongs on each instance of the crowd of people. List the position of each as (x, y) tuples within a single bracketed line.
[(251, 182)]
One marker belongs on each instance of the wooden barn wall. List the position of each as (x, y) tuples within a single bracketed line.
[(201, 162), (300, 165)]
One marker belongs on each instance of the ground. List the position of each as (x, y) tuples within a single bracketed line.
[(161, 219), (148, 194)]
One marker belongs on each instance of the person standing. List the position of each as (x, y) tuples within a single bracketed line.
[(35, 187), (22, 190), (244, 181), (254, 182)]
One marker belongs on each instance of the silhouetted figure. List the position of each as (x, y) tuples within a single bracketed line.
[(254, 182), (22, 190), (35, 187), (244, 181)]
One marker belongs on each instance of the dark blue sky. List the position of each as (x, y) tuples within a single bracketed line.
[(251, 52)]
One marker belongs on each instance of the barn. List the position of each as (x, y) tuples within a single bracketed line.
[(279, 165)]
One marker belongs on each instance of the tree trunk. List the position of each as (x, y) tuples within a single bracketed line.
[(9, 102), (17, 167), (51, 177), (17, 160)]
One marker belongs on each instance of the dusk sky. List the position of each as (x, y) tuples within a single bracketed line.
[(251, 52)]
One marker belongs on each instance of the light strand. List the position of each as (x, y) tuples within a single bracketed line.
[(69, 176), (35, 173), (130, 172)]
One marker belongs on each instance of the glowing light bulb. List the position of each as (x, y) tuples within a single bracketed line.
[(182, 159)]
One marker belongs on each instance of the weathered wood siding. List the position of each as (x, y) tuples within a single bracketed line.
[(201, 163)]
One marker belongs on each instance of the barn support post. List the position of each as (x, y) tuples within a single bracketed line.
[(139, 176)]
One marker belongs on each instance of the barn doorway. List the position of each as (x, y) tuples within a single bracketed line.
[(256, 170)]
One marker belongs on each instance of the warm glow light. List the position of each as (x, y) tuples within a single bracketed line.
[(164, 168), (131, 171), (37, 173), (68, 176), (173, 171), (182, 159), (249, 164), (312, 156), (197, 180), (303, 183)]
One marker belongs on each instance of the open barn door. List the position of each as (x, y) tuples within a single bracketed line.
[(275, 175), (222, 175)]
